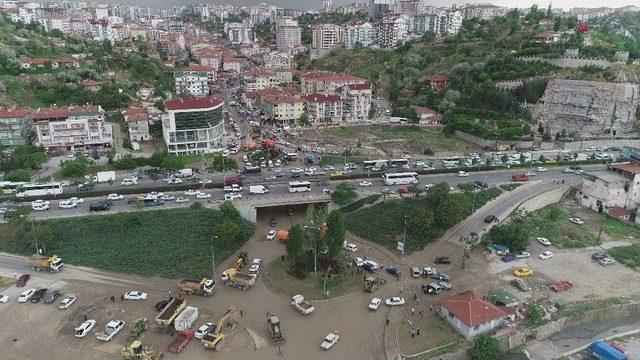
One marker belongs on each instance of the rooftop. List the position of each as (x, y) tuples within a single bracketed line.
[(630, 167), (13, 113), (192, 103), (471, 309), (321, 98)]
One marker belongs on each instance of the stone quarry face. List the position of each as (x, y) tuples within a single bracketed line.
[(587, 109)]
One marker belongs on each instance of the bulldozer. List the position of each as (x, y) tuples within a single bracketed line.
[(213, 340), (135, 351), (242, 260), (139, 326)]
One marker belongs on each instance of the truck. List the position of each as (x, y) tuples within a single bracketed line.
[(202, 287), (602, 350), (520, 177), (105, 176), (239, 280), (258, 189), (170, 312), (298, 302), (185, 172), (45, 263), (186, 319), (112, 328), (233, 188), (183, 338), (275, 329)]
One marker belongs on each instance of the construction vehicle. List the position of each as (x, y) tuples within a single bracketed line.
[(169, 313), (43, 263), (213, 339), (275, 329), (135, 351), (298, 302), (202, 287), (242, 260), (186, 318), (372, 283), (183, 338), (139, 326), (239, 280)]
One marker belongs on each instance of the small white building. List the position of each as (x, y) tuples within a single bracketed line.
[(602, 190), (471, 315)]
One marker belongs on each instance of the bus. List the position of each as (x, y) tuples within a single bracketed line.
[(395, 163), (9, 188), (369, 164), (299, 186), (39, 189), (403, 178), (451, 162)]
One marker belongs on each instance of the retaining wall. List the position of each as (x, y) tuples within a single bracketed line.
[(571, 62), (539, 201)]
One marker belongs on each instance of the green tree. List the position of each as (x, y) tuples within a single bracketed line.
[(18, 175), (451, 211), (226, 233), (344, 194), (74, 168), (419, 221), (126, 143), (229, 210), (171, 162), (303, 120), (414, 189), (335, 234), (536, 314), (41, 236), (297, 246), (484, 348), (437, 194), (512, 235)]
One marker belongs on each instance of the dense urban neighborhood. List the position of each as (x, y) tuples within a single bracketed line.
[(387, 179)]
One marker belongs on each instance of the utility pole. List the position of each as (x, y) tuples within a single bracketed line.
[(404, 236)]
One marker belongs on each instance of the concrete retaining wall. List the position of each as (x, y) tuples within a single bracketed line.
[(539, 201), (581, 145), (571, 62), (502, 144)]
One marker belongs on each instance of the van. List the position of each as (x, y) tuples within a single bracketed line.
[(416, 272)]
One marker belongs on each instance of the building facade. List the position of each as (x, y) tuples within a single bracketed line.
[(326, 37), (359, 33), (193, 125), (288, 35), (392, 31), (194, 81), (15, 127), (137, 119), (71, 128), (471, 315), (356, 102), (323, 108)]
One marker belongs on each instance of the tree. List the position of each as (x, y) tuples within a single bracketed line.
[(437, 194), (414, 189), (419, 221), (451, 211), (229, 211), (74, 168), (536, 314), (41, 236), (344, 194), (226, 232), (335, 235), (18, 175), (297, 245), (303, 120), (485, 348), (171, 162), (512, 235)]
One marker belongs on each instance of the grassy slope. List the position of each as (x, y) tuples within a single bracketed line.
[(553, 223)]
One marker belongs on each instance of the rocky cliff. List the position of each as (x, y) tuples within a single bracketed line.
[(587, 109)]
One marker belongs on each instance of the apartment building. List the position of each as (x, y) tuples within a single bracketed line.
[(15, 126), (281, 104), (237, 33), (70, 128), (392, 31), (323, 108), (356, 102), (450, 22), (484, 11), (137, 119), (192, 83), (100, 30), (260, 79), (288, 35), (193, 125), (55, 22), (359, 32), (326, 37), (326, 82)]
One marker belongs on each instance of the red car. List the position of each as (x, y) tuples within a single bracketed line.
[(403, 191), (561, 286), (22, 280)]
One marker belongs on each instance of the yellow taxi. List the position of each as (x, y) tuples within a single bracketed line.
[(522, 272)]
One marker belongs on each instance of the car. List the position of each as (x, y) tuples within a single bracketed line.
[(101, 206), (371, 263), (541, 169), (428, 186), (463, 174), (66, 204), (480, 184), (522, 255), (568, 171), (330, 340), (113, 197), (374, 304), (546, 255), (358, 261), (51, 296), (232, 196), (350, 247), (297, 171), (606, 261), (134, 295), (520, 284), (67, 302), (394, 301), (203, 330), (167, 197), (577, 221), (4, 298), (365, 183), (561, 286), (490, 219), (26, 295), (599, 255), (393, 271), (76, 200), (271, 178), (336, 174), (38, 203), (402, 191), (191, 192), (181, 200), (40, 206), (508, 258), (84, 328), (523, 272), (273, 221), (531, 173), (255, 267), (442, 260), (543, 241), (445, 285), (271, 235), (441, 276), (203, 195), (38, 295), (22, 280)]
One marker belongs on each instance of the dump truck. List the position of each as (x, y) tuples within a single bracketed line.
[(170, 312), (213, 339), (183, 338), (298, 302), (135, 351), (275, 329), (242, 260), (372, 283), (186, 319), (45, 263), (202, 287), (239, 280)]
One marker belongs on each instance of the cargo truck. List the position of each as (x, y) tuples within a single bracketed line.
[(258, 189), (169, 313), (43, 263), (202, 287), (186, 319), (105, 176), (183, 338), (239, 280), (602, 350), (298, 302), (520, 177)]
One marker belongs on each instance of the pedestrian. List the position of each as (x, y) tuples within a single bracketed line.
[(563, 181), (418, 331), (413, 332), (401, 289), (382, 267), (169, 294), (121, 297), (85, 317), (431, 307), (113, 299), (241, 314), (14, 276), (415, 296), (279, 351), (387, 322), (413, 311)]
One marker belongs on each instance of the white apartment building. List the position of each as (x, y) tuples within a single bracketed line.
[(450, 22), (194, 81), (237, 33), (323, 108), (288, 34), (356, 102), (392, 31), (137, 119), (72, 127), (193, 125), (484, 11), (363, 33), (326, 37), (100, 30), (55, 22), (260, 79)]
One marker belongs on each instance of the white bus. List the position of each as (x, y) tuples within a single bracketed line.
[(368, 164), (395, 163), (403, 178), (299, 186), (39, 189), (451, 162)]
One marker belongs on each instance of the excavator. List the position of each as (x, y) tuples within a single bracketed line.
[(136, 352), (213, 340)]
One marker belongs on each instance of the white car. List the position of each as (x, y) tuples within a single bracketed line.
[(66, 302), (541, 169), (462, 174), (203, 330), (395, 301), (174, 181), (202, 195), (350, 247), (76, 200), (135, 295), (531, 173), (181, 200), (167, 197), (428, 186), (115, 197), (66, 204), (297, 171), (330, 340), (255, 267), (128, 182), (40, 207), (375, 302), (568, 171), (576, 221), (39, 204), (271, 235), (26, 295), (365, 183), (191, 192), (544, 241), (546, 255), (358, 261), (329, 168), (84, 328), (225, 152), (4, 298), (232, 196), (522, 255), (374, 265)]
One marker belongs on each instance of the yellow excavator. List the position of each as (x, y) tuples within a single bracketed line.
[(136, 352), (213, 340)]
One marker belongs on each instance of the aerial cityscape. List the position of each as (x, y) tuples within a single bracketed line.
[(378, 179)]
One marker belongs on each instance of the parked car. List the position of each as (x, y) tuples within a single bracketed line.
[(350, 247), (101, 206), (393, 271), (442, 260), (462, 174), (271, 235), (84, 328), (374, 304), (114, 196), (523, 272), (441, 276), (191, 192), (67, 302), (508, 258), (134, 295), (4, 298), (546, 255), (22, 280), (522, 255), (203, 195), (203, 330), (491, 218), (541, 169), (520, 284), (395, 301), (598, 255), (51, 296), (365, 183), (26, 295), (330, 340), (577, 221), (38, 295), (66, 204), (544, 241), (445, 285), (606, 261)]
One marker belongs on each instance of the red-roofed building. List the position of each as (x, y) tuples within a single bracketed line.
[(281, 104), (323, 108), (471, 315), (33, 63), (232, 64), (137, 119), (426, 116), (69, 128), (193, 125), (437, 83), (66, 62), (15, 126), (326, 82), (91, 85), (356, 102)]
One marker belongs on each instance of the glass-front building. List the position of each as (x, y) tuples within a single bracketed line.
[(193, 126)]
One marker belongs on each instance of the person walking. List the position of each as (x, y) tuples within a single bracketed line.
[(241, 314), (418, 331), (413, 311), (279, 351), (387, 322)]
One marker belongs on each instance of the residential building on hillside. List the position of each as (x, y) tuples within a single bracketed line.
[(326, 82), (70, 128), (237, 33), (232, 64), (259, 79), (450, 22), (15, 127), (359, 32), (277, 60), (326, 37), (284, 105), (471, 315), (288, 35), (192, 83), (101, 30), (484, 11), (193, 125), (603, 190), (323, 108), (392, 31), (137, 119), (437, 83), (356, 102), (380, 7)]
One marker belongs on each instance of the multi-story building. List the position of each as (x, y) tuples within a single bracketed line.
[(323, 108), (362, 33), (193, 125), (484, 11), (55, 22), (58, 128), (450, 22), (392, 31), (101, 30), (137, 119), (277, 60), (237, 33), (15, 127), (288, 35), (326, 82), (260, 79), (280, 104), (232, 64), (326, 37), (192, 83), (356, 102), (380, 7)]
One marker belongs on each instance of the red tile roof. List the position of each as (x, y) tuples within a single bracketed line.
[(627, 167), (89, 83), (471, 309), (51, 113), (137, 117), (359, 87), (13, 113), (133, 111), (321, 98), (619, 212), (192, 103)]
